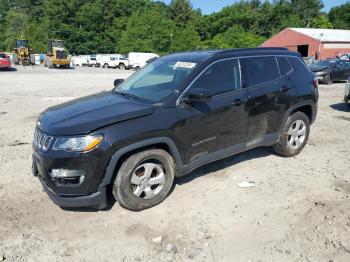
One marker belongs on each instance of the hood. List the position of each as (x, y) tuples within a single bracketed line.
[(315, 68), (86, 114)]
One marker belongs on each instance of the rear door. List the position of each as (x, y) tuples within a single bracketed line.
[(269, 96), (219, 123)]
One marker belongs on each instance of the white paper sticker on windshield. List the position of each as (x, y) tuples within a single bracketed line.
[(185, 65)]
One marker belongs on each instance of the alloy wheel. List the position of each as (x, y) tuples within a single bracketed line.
[(148, 180), (297, 134)]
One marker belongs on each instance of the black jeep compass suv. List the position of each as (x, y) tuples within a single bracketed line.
[(178, 113)]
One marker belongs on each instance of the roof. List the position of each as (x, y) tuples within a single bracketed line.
[(325, 35), (202, 55)]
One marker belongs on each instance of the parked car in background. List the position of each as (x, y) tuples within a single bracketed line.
[(347, 93), (92, 61), (330, 70), (139, 60), (115, 61), (5, 61), (180, 112)]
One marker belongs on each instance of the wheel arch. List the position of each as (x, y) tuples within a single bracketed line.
[(307, 107), (164, 143)]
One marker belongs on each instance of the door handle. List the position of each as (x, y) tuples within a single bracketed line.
[(239, 102), (285, 88)]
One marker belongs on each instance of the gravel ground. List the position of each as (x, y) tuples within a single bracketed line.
[(298, 209)]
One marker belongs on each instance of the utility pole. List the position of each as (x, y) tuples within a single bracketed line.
[(171, 42)]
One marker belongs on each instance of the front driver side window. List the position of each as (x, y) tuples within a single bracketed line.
[(221, 77)]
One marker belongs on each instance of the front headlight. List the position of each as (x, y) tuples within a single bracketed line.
[(78, 144), (321, 73)]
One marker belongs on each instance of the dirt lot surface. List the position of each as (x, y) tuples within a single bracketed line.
[(298, 209)]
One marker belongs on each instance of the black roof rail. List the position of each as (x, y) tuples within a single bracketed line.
[(254, 49)]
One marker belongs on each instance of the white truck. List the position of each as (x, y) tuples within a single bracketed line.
[(139, 60), (114, 61), (81, 60)]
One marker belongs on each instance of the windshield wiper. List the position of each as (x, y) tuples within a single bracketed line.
[(126, 95)]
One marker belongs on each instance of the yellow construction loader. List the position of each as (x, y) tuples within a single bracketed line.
[(21, 53), (56, 55)]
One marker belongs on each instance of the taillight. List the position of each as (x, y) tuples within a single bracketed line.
[(315, 82)]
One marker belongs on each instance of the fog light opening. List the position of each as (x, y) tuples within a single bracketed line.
[(67, 177)]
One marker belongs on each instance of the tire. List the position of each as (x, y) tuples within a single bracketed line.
[(132, 195), (121, 66), (294, 136), (105, 65), (137, 68), (328, 80), (26, 62)]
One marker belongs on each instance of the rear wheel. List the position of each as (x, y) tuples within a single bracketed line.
[(121, 66), (105, 65), (137, 68), (144, 179), (295, 135)]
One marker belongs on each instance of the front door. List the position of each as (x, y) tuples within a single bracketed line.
[(219, 123)]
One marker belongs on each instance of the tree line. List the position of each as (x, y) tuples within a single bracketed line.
[(121, 26)]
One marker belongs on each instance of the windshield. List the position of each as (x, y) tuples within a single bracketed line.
[(158, 80), (21, 43)]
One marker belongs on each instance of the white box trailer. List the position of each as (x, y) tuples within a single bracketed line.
[(139, 60)]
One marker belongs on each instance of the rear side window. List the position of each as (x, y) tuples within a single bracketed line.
[(260, 70), (285, 66), (221, 77), (299, 67), (2, 56)]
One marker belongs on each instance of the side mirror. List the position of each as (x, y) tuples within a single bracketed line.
[(117, 82), (198, 95)]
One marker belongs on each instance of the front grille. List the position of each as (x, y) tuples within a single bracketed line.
[(42, 141)]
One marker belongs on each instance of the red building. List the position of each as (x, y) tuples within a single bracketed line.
[(320, 43)]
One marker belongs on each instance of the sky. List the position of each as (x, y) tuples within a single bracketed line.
[(210, 6)]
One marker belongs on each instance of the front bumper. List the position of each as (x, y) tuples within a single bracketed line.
[(61, 61), (98, 199)]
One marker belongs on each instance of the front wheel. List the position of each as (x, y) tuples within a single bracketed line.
[(328, 80), (144, 179), (294, 136)]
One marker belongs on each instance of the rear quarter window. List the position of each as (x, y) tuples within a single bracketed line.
[(285, 66), (299, 67), (260, 70)]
